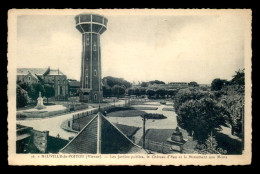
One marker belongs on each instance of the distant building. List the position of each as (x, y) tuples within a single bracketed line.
[(178, 84), (30, 75), (204, 85), (53, 77), (74, 87), (171, 85)]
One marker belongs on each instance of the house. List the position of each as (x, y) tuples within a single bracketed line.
[(50, 76), (74, 87), (100, 136), (30, 75)]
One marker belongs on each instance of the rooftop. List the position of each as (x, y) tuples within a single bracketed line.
[(38, 71), (100, 136), (55, 72), (74, 83), (25, 71), (129, 131)]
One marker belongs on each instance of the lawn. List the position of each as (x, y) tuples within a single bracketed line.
[(118, 109), (151, 104), (29, 106), (233, 146), (126, 113)]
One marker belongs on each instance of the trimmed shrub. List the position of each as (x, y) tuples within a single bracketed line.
[(153, 116)]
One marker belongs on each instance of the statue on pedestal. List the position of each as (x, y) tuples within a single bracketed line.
[(176, 140), (40, 102)]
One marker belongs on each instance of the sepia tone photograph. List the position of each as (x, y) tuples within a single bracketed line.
[(129, 87)]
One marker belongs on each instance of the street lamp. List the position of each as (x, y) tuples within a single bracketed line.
[(99, 103)]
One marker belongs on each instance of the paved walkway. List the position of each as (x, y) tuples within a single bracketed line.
[(227, 131), (169, 123), (53, 124)]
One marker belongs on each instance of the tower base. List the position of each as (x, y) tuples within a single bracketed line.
[(90, 96)]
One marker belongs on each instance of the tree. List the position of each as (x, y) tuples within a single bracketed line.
[(201, 117), (156, 82), (193, 84), (142, 91), (49, 91), (23, 85), (161, 93), (34, 89), (144, 84), (21, 97), (137, 92), (184, 95), (233, 99), (107, 92), (217, 84), (150, 93), (118, 90), (112, 81), (239, 77), (172, 92), (130, 91)]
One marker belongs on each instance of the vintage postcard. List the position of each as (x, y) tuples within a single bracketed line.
[(129, 87)]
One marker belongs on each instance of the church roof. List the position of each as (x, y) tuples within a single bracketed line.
[(100, 136)]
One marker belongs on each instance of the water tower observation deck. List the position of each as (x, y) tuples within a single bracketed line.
[(91, 23)]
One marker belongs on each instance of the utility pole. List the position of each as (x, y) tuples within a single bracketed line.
[(99, 103), (144, 119)]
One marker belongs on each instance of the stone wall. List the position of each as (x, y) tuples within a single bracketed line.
[(40, 139)]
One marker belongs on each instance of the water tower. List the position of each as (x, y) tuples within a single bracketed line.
[(91, 26)]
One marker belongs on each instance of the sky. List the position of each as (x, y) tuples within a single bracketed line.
[(171, 48)]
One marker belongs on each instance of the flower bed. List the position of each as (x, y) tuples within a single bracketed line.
[(126, 113), (168, 109), (153, 116), (115, 109), (144, 108)]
